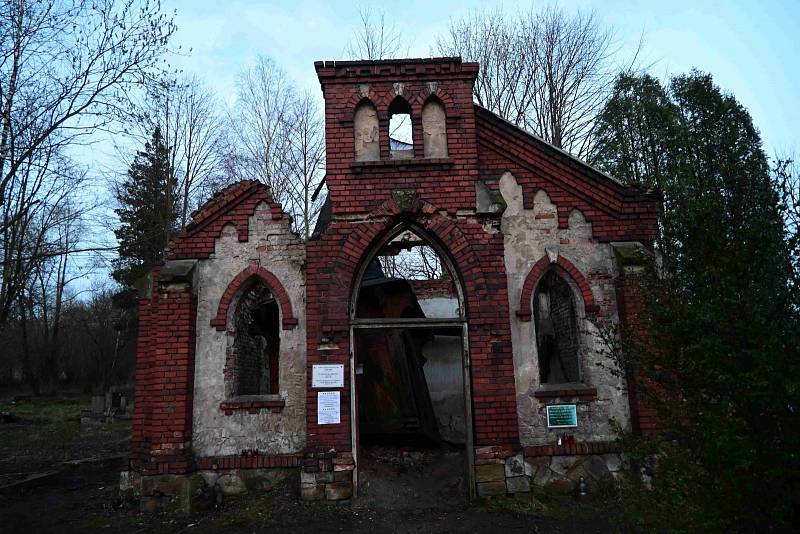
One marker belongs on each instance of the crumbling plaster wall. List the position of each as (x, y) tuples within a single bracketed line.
[(276, 248), (529, 235)]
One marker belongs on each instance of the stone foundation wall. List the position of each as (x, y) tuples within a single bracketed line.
[(498, 471), (327, 476)]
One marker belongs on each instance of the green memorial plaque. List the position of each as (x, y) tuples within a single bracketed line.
[(562, 416)]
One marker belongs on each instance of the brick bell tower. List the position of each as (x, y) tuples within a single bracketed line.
[(374, 186)]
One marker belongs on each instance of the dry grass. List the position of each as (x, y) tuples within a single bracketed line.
[(51, 433)]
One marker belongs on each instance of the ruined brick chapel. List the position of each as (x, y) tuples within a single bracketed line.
[(452, 292)]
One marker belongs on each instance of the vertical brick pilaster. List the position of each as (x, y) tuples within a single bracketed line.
[(164, 380), (631, 307)]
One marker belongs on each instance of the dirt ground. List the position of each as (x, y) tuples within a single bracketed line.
[(400, 491)]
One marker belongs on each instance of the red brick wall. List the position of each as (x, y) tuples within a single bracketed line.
[(631, 309), (360, 187), (162, 423), (363, 192), (617, 213), (233, 206)]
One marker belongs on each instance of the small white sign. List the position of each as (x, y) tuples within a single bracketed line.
[(329, 410), (327, 375)]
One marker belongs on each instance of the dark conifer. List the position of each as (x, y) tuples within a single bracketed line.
[(147, 211)]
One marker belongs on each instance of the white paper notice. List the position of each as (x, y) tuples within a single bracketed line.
[(327, 375), (328, 408)]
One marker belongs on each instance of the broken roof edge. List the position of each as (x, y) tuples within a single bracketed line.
[(222, 200), (387, 61), (564, 153), (332, 68)]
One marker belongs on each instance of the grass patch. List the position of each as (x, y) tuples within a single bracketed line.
[(53, 409), (51, 433)]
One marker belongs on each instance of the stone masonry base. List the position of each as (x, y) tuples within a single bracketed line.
[(498, 471), (180, 492), (327, 476)]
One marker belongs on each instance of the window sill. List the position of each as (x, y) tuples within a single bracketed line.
[(253, 404), (359, 166), (548, 392)]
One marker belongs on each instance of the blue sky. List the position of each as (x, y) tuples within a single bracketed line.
[(750, 47)]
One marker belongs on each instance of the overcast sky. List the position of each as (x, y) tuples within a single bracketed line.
[(750, 47)]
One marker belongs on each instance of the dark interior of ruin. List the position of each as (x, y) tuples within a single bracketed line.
[(556, 331), (409, 379), (257, 343)]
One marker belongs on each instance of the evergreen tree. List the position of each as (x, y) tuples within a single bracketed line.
[(724, 311), (148, 211), (635, 131)]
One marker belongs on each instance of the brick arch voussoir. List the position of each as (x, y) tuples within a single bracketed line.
[(525, 310), (288, 320), (355, 100), (427, 216)]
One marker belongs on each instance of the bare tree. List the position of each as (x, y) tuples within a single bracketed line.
[(544, 71), (277, 137), (305, 159), (259, 125), (574, 72), (66, 69), (187, 114), (506, 82), (786, 177), (375, 38)]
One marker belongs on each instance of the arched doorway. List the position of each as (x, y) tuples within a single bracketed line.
[(410, 376)]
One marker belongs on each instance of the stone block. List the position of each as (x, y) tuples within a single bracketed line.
[(231, 484), (534, 464), (343, 467), (521, 484), (308, 478), (596, 467), (192, 487), (490, 473), (515, 466), (578, 470), (210, 477), (313, 492), (562, 486), (489, 489), (543, 476), (338, 491), (325, 477), (561, 465), (613, 462), (343, 476), (130, 482), (165, 484)]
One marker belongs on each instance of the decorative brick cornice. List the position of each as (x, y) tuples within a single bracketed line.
[(255, 272), (582, 393), (394, 69), (233, 206), (252, 405), (575, 449), (248, 461), (525, 310)]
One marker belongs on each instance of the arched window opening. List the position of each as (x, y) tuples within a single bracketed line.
[(401, 135), (252, 365), (434, 129), (407, 279), (365, 128), (557, 338)]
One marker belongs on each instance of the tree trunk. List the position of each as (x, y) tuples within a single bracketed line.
[(30, 374)]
